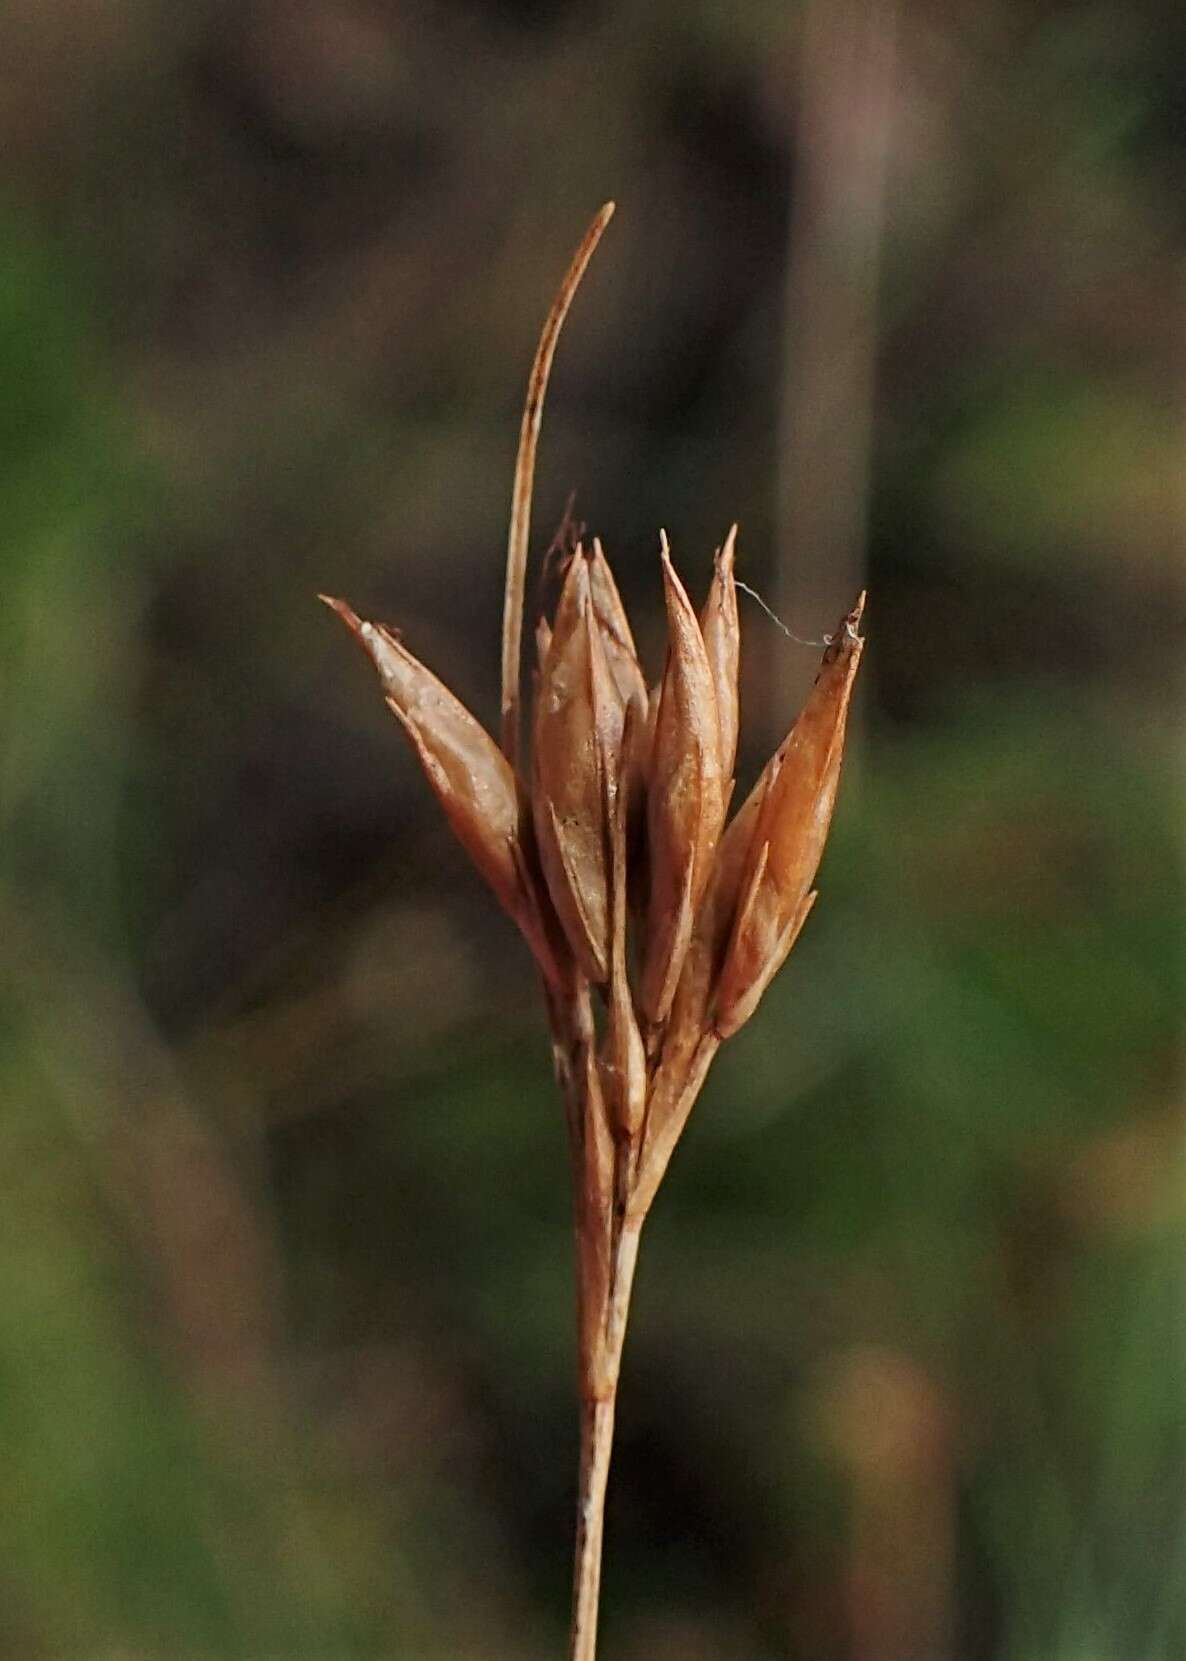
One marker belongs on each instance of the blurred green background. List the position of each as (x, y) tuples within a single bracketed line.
[(286, 1341)]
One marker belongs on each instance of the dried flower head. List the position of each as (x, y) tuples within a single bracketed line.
[(656, 926)]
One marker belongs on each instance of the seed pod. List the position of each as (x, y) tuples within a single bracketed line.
[(469, 773), (685, 797), (789, 837), (721, 628), (576, 719)]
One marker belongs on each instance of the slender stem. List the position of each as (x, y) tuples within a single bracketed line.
[(597, 1438), (599, 1398), (520, 527)]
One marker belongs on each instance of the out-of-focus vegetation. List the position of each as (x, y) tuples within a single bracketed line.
[(285, 1311)]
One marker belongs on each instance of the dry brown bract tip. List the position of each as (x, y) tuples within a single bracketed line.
[(655, 926)]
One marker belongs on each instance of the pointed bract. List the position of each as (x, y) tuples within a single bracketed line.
[(469, 773), (721, 629)]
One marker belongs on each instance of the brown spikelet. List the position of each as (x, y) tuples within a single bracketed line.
[(572, 730), (685, 799), (790, 834), (626, 678), (471, 777)]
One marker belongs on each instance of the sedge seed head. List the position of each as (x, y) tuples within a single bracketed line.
[(608, 845)]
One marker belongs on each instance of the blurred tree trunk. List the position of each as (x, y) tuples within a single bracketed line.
[(841, 139)]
